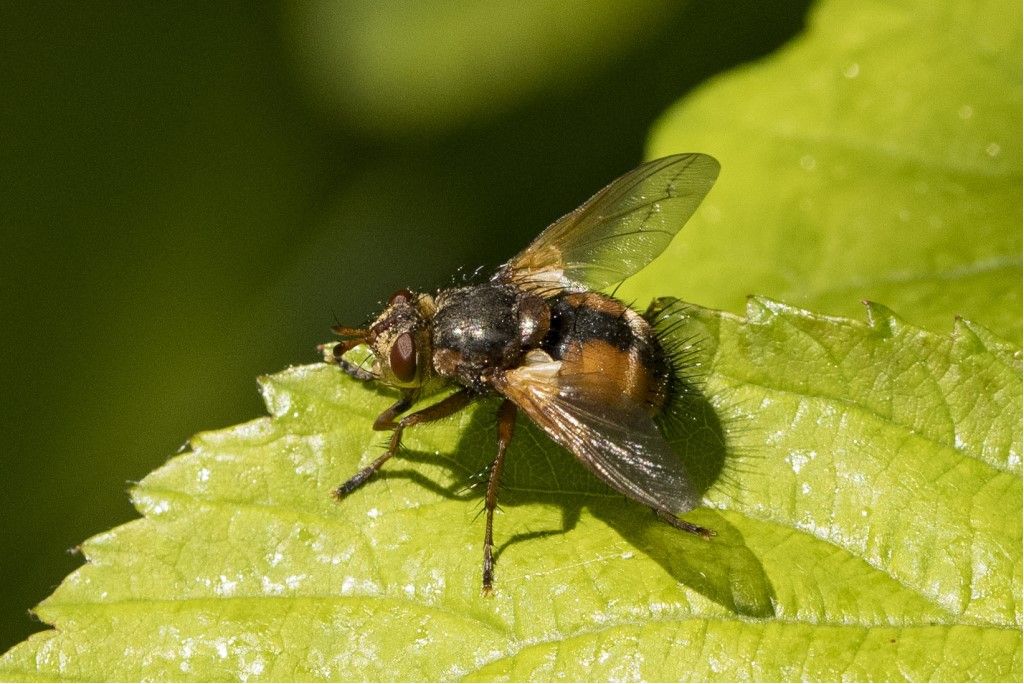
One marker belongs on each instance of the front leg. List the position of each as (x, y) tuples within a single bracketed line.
[(354, 371), (333, 353), (386, 421)]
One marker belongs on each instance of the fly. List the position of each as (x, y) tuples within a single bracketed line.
[(583, 366)]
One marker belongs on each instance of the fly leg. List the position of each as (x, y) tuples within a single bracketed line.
[(506, 424), (333, 353), (683, 525), (354, 371), (386, 421)]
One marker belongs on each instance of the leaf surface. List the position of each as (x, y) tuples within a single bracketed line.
[(878, 156), (868, 511)]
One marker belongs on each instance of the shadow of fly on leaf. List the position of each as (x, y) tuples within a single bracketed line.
[(597, 377)]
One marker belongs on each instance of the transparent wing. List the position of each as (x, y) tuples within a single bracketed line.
[(618, 231), (617, 440)]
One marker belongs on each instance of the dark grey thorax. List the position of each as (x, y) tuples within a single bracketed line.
[(482, 329)]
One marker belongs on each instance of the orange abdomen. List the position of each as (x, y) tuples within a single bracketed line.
[(609, 348)]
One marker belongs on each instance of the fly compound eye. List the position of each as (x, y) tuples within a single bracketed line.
[(400, 297), (402, 358)]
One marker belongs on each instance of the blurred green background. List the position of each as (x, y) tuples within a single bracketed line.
[(192, 194)]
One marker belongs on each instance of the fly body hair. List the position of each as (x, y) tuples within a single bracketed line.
[(714, 434)]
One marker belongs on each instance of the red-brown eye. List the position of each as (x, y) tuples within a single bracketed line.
[(400, 297), (403, 358)]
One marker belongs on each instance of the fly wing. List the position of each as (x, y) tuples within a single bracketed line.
[(616, 232), (617, 440)]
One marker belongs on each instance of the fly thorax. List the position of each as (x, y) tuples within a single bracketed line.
[(482, 329)]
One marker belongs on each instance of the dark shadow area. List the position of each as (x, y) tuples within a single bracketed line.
[(723, 569)]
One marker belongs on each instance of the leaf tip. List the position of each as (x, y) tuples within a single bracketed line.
[(762, 309), (977, 336), (881, 318), (963, 331), (277, 399)]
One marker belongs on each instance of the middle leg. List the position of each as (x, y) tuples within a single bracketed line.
[(506, 424)]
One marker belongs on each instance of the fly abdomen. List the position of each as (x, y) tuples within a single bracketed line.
[(609, 347)]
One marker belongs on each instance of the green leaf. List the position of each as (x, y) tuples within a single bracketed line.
[(865, 478), (878, 156), (869, 519)]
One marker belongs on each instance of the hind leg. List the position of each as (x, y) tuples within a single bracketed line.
[(675, 522)]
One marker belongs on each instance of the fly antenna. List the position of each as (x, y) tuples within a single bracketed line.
[(345, 331)]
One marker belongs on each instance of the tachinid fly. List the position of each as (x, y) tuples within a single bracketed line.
[(583, 366)]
